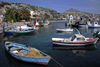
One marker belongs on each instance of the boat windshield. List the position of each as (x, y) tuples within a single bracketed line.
[(73, 37)]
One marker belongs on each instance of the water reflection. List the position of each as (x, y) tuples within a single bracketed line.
[(60, 33), (79, 51), (18, 63)]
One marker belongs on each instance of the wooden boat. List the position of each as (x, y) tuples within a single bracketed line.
[(93, 25), (21, 52), (62, 30), (75, 40), (23, 32)]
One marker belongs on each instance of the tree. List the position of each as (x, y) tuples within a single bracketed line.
[(8, 15), (46, 16), (11, 14), (24, 14)]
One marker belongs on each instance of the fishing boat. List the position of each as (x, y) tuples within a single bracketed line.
[(62, 30), (75, 40), (93, 25), (24, 27), (26, 53)]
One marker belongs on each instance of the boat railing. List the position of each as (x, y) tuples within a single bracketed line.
[(77, 30)]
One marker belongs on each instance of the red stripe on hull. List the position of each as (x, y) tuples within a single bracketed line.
[(71, 42)]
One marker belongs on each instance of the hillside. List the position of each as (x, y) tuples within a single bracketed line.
[(27, 6)]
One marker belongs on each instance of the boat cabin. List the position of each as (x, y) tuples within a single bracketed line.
[(93, 23), (78, 37), (96, 23)]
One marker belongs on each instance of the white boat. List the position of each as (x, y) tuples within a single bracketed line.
[(82, 25), (93, 25), (62, 30), (24, 27), (75, 40), (26, 53)]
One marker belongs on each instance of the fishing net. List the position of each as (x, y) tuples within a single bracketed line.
[(33, 52)]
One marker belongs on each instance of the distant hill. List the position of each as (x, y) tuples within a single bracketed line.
[(74, 11)]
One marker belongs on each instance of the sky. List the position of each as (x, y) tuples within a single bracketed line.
[(91, 6)]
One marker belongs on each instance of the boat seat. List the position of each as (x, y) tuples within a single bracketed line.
[(20, 54), (9, 45)]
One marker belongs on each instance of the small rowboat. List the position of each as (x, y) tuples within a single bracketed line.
[(21, 52), (62, 30), (75, 40)]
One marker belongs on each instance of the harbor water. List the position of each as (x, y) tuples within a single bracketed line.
[(87, 56)]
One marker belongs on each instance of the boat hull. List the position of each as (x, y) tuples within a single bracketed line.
[(43, 61), (38, 25), (73, 44), (23, 32), (67, 42), (93, 26), (8, 32)]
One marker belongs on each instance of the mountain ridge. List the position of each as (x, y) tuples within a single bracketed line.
[(74, 11)]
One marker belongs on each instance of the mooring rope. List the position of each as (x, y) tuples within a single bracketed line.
[(57, 62)]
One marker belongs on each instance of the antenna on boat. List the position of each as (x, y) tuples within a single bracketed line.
[(77, 30)]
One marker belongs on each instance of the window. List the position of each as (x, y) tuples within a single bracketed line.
[(73, 37), (80, 39)]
